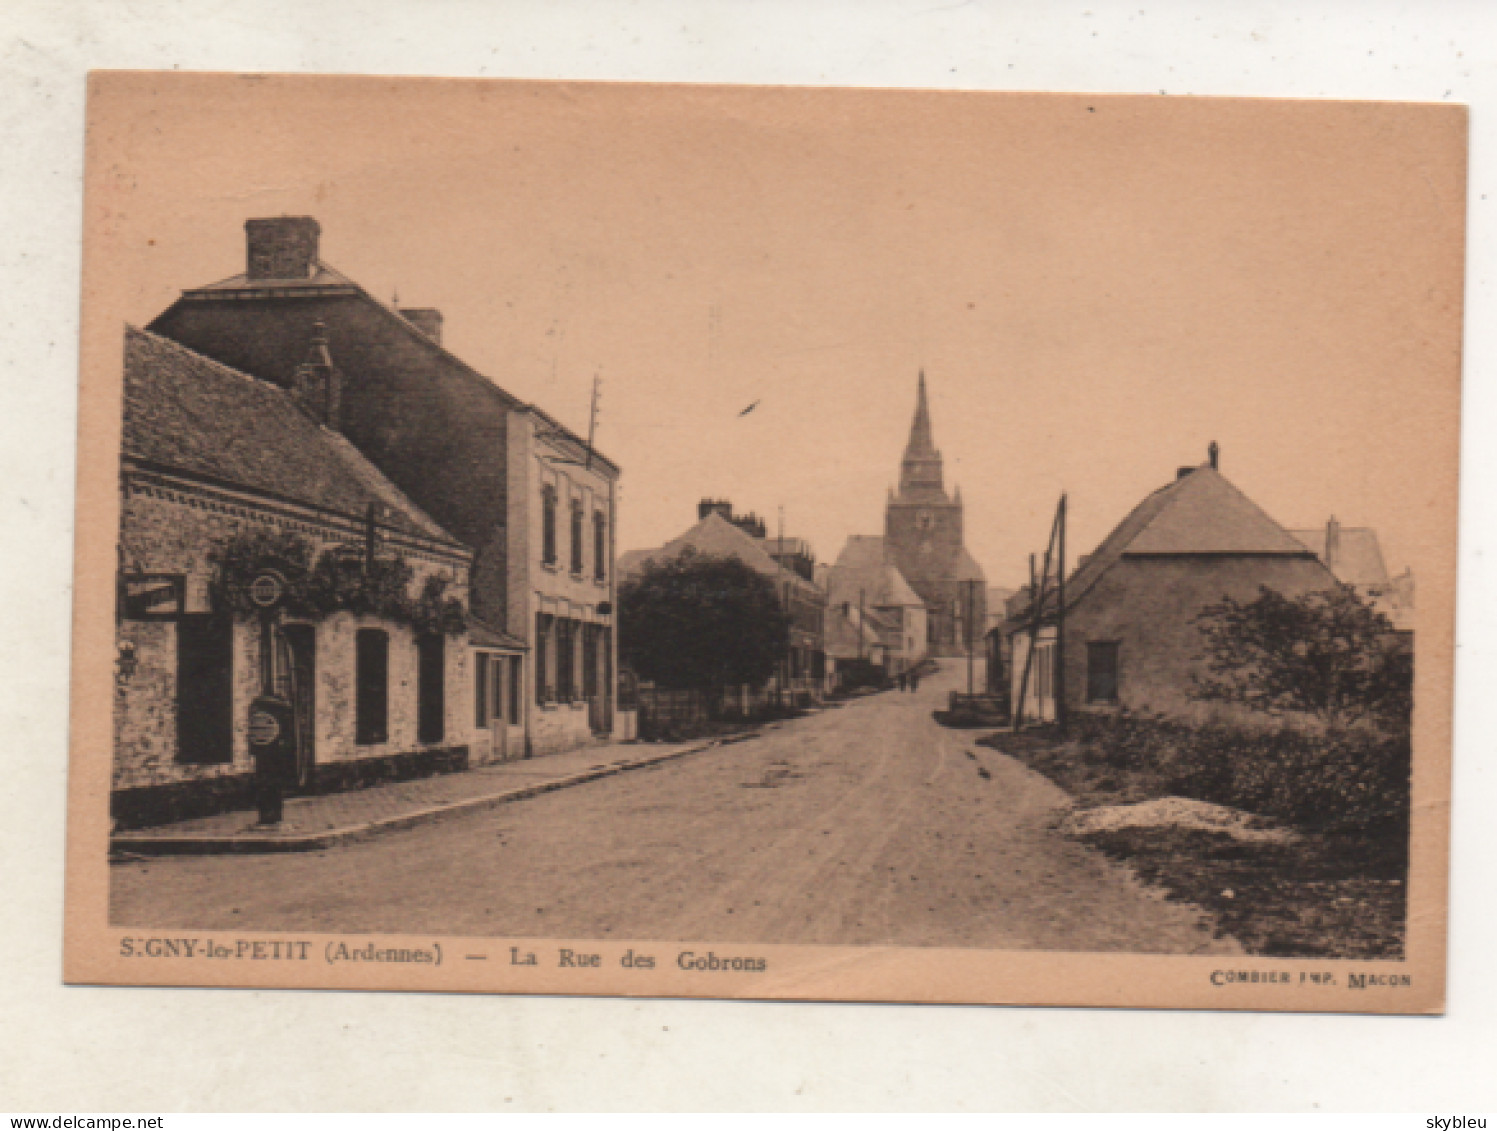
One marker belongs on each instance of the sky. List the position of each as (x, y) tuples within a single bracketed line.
[(1096, 287)]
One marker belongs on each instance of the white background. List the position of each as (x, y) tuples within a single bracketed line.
[(77, 1049)]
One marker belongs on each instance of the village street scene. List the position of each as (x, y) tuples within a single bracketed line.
[(386, 663)]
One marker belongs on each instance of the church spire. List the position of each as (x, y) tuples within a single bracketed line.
[(921, 445), (920, 470)]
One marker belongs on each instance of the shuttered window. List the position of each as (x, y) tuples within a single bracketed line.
[(205, 689), (1102, 671), (481, 689), (431, 698), (371, 687)]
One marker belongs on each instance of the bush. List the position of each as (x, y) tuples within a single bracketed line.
[(1335, 779)]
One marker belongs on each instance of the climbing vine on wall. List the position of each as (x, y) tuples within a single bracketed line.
[(336, 580)]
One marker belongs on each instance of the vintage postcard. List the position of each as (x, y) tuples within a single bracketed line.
[(765, 542)]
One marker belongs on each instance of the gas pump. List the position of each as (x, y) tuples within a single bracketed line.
[(272, 717)]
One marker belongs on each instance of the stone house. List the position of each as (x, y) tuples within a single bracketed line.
[(1131, 637), (1355, 556), (865, 578), (785, 561), (509, 482), (222, 474)]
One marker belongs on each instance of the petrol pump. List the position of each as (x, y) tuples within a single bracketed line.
[(272, 716)]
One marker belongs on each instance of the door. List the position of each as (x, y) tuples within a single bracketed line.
[(301, 660), (590, 681), (499, 708)]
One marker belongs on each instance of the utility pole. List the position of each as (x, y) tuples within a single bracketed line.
[(1037, 617), (860, 624), (785, 581), (971, 605), (1060, 620), (592, 419)]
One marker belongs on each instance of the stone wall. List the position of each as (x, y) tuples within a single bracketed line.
[(1148, 606), (169, 527)]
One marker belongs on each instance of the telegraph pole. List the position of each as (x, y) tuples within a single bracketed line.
[(592, 419), (971, 605), (1060, 621)]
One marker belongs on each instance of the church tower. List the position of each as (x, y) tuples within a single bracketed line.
[(923, 537)]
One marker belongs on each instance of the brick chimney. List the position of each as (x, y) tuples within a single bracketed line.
[(1332, 544), (318, 386), (282, 247), (425, 319), (715, 506)]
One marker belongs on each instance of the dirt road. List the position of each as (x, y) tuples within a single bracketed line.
[(864, 824)]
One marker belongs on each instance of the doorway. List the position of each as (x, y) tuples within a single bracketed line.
[(301, 662)]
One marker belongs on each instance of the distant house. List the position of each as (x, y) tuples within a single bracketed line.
[(1131, 636), (854, 638), (787, 562), (1354, 555), (867, 584), (221, 476)]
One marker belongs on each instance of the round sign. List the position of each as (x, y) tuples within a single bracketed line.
[(267, 589), (263, 728)]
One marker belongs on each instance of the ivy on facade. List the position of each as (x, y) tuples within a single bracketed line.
[(337, 580)]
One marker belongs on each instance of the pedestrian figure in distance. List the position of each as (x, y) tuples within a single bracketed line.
[(915, 679), (904, 681)]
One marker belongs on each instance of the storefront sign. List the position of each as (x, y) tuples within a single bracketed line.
[(151, 596)]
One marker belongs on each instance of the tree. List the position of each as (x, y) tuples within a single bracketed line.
[(1328, 653), (701, 621)]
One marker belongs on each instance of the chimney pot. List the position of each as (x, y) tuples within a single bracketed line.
[(282, 247), (425, 319), (1213, 453)]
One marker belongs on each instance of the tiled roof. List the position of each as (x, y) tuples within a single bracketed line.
[(1199, 513), (326, 279), (483, 635), (716, 536), (863, 566), (1359, 557), (189, 414)]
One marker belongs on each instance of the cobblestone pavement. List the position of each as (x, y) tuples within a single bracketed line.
[(862, 825)]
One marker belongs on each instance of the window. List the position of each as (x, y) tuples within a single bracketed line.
[(566, 661), (543, 657), (577, 537), (431, 699), (548, 525), (600, 546), (371, 686), (481, 690), (205, 689), (1102, 672)]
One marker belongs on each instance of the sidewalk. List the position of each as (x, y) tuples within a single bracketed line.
[(322, 821)]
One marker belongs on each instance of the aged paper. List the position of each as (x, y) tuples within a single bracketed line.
[(1058, 470)]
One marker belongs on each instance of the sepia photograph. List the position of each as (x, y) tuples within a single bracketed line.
[(759, 542)]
